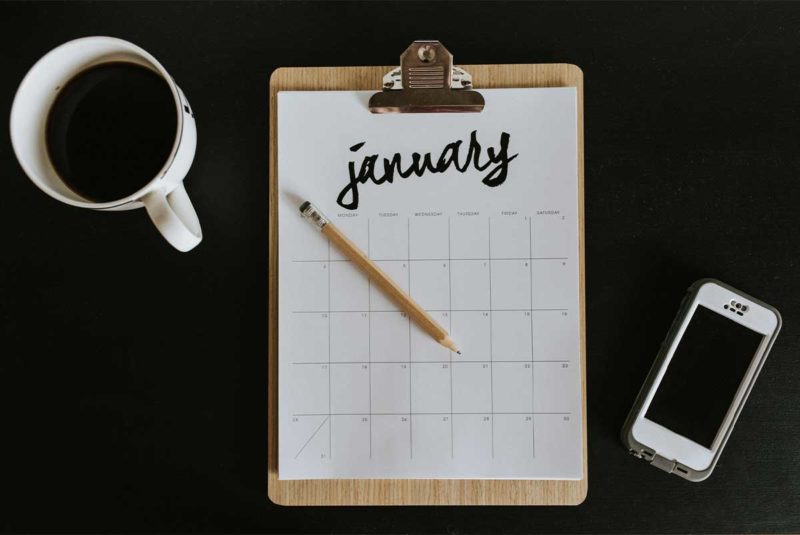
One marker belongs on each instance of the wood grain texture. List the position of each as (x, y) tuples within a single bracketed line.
[(412, 491)]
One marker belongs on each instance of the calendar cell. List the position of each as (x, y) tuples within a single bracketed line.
[(391, 388), (398, 271), (430, 387), (513, 436), (551, 382), (308, 335), (472, 387), (388, 238), (514, 387), (389, 337), (552, 335), (510, 237), (469, 238), (350, 386), (511, 285), (423, 346), (471, 330), (511, 335), (472, 438), (391, 437), (309, 286), (350, 437), (309, 438), (314, 247), (430, 284), (431, 436), (349, 338), (349, 287), (355, 228), (429, 238), (311, 394), (469, 282), (552, 236), (552, 281)]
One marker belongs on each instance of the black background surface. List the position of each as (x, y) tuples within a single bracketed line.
[(133, 378)]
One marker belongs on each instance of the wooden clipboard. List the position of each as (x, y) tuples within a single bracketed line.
[(413, 491)]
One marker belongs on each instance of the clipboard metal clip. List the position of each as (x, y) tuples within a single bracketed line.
[(426, 81)]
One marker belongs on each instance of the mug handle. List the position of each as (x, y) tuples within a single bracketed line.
[(174, 217)]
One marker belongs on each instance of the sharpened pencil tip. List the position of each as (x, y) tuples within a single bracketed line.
[(458, 352), (449, 344)]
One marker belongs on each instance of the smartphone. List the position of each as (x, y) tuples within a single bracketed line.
[(700, 380)]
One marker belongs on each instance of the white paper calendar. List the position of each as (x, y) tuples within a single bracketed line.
[(476, 216)]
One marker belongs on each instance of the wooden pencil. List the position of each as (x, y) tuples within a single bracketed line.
[(378, 276)]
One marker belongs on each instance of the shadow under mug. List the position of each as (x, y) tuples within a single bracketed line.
[(164, 196)]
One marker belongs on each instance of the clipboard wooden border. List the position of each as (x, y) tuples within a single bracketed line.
[(413, 491)]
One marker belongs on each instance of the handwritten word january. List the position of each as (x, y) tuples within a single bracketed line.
[(451, 155)]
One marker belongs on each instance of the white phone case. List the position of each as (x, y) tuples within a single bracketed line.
[(649, 453)]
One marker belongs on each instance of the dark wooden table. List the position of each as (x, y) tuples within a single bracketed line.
[(133, 378)]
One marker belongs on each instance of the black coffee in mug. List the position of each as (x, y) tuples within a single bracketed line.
[(111, 129)]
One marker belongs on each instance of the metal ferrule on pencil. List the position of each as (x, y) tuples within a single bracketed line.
[(313, 214)]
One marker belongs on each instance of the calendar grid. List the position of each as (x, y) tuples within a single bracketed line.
[(434, 310), (369, 339), (342, 301), (439, 259), (329, 419), (450, 317), (491, 329), (410, 370), (428, 362), (533, 369), (523, 413)]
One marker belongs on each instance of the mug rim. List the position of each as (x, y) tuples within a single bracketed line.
[(141, 192)]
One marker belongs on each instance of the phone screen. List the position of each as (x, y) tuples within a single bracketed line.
[(703, 376)]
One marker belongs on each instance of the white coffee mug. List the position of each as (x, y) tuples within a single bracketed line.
[(164, 196)]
